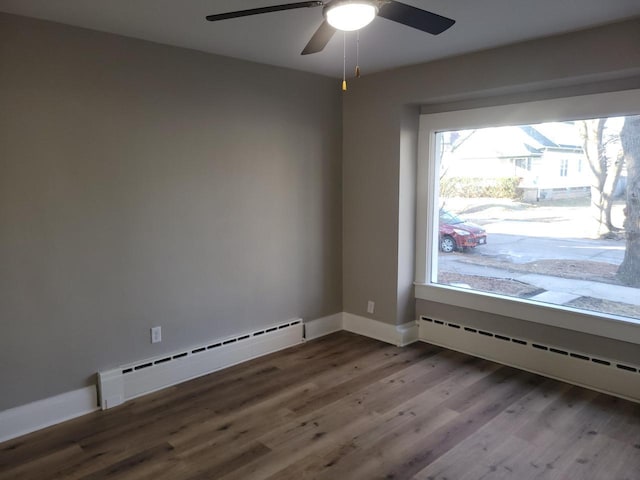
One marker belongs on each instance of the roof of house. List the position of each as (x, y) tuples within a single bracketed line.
[(515, 141)]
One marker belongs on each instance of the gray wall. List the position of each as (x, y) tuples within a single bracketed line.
[(379, 144), (146, 185)]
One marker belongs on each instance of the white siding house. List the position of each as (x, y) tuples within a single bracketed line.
[(548, 158)]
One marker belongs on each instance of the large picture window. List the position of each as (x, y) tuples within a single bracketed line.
[(530, 211)]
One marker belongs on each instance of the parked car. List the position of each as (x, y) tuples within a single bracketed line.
[(458, 234)]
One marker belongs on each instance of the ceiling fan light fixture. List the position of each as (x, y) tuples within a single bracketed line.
[(350, 15)]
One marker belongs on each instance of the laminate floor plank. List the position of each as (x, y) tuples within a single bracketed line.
[(496, 436), (133, 466), (403, 459), (624, 423), (346, 407), (352, 452), (306, 436), (556, 416), (398, 440), (244, 424), (626, 462), (31, 447), (573, 426), (385, 367), (434, 375), (236, 391), (59, 457), (598, 459)]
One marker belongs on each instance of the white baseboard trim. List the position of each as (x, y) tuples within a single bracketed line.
[(323, 326), (577, 368), (399, 335), (146, 376), (28, 418), (612, 380)]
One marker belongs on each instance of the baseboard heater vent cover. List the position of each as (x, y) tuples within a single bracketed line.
[(133, 380), (602, 374)]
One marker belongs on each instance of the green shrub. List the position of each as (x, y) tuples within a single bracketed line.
[(466, 187)]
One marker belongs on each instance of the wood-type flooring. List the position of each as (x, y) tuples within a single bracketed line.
[(346, 407)]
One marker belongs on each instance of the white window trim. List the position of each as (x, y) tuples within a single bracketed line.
[(580, 107)]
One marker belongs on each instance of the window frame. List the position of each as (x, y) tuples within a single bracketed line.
[(609, 104), (564, 167)]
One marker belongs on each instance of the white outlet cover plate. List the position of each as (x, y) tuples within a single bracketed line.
[(156, 334), (371, 306)]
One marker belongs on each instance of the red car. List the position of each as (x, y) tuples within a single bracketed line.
[(458, 234)]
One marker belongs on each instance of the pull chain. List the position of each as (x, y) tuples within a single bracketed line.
[(358, 54), (344, 61)]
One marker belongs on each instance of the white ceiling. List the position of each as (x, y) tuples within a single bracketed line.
[(278, 38)]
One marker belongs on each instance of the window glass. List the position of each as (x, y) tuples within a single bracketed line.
[(544, 212)]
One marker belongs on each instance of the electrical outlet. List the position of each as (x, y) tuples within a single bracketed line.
[(371, 306), (156, 334)]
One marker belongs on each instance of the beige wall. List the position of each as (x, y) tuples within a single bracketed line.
[(379, 146), (146, 185)]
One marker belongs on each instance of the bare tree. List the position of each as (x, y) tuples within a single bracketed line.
[(450, 142), (629, 270), (605, 178)]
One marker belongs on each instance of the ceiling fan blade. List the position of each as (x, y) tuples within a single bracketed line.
[(257, 11), (415, 17), (320, 39)]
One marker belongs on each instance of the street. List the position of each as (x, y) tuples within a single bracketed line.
[(518, 249), (523, 249)]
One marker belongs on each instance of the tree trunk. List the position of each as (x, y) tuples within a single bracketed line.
[(592, 134), (629, 270), (611, 195)]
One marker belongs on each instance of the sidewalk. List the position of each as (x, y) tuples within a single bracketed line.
[(563, 290), (558, 290)]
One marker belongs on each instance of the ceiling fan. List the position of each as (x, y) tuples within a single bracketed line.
[(350, 15)]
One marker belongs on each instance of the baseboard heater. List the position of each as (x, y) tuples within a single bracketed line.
[(594, 372), (140, 378)]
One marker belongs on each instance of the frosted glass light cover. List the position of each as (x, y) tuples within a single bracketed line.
[(351, 16)]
